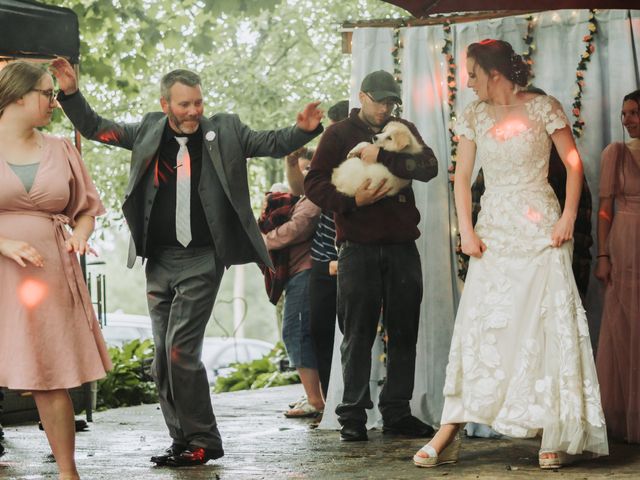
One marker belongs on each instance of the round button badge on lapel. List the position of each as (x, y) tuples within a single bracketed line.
[(210, 136)]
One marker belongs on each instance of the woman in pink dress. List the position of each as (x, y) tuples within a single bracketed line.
[(50, 339), (618, 266)]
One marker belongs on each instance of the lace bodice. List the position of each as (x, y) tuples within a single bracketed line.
[(513, 142)]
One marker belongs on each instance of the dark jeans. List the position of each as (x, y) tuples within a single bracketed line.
[(371, 278), (322, 301)]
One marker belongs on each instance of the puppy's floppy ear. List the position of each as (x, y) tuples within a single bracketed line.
[(401, 140)]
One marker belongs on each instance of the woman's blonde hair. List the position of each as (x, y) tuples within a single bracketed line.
[(16, 80)]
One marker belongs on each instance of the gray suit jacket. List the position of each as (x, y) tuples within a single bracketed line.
[(231, 222)]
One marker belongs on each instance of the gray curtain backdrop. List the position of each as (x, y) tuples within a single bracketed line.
[(612, 73)]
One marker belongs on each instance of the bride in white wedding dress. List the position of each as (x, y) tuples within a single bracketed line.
[(520, 358)]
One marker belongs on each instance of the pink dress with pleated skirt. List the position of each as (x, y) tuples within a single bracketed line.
[(618, 359), (49, 336)]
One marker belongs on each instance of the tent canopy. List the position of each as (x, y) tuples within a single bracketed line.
[(32, 30), (421, 8)]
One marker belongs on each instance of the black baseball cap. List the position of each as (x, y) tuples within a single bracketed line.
[(381, 85)]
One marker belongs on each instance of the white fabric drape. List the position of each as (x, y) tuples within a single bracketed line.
[(613, 72)]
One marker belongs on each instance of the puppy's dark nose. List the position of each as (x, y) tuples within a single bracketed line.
[(375, 138)]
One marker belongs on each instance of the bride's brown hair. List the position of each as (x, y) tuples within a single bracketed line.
[(498, 55)]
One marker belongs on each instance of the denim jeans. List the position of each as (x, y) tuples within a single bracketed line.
[(372, 278), (296, 331)]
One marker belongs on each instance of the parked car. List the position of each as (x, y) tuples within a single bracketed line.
[(220, 352), (217, 352), (121, 328)]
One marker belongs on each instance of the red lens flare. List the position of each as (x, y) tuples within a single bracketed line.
[(533, 215), (31, 292)]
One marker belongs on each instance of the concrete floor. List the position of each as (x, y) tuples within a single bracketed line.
[(261, 444)]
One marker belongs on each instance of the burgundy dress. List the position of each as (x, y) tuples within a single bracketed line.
[(618, 359), (49, 336)]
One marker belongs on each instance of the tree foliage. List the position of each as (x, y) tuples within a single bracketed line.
[(261, 59)]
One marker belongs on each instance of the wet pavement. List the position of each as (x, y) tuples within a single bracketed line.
[(261, 444)]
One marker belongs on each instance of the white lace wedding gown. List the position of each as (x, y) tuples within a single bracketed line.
[(521, 358)]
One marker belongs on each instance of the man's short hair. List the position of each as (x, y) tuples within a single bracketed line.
[(339, 111), (186, 77)]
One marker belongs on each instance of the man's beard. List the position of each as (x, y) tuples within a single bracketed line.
[(179, 124), (372, 121)]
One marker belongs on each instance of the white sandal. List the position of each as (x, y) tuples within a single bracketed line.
[(303, 410), (548, 463), (448, 455), (300, 401)]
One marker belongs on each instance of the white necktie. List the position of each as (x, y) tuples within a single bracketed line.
[(183, 193)]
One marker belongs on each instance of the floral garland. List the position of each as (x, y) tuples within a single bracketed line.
[(396, 53), (452, 90), (585, 58), (528, 40)]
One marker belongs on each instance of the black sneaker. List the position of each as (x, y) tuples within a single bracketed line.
[(408, 426)]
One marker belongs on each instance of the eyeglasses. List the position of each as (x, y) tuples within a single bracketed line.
[(390, 104), (49, 93)]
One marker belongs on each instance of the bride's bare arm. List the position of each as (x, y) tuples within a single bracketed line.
[(471, 243), (563, 140)]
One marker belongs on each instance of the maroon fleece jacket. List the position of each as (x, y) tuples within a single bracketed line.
[(390, 220)]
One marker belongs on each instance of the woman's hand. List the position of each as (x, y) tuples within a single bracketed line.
[(78, 244), (20, 252), (472, 245), (603, 269), (562, 231)]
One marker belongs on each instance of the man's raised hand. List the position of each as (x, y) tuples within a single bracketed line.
[(65, 75), (309, 118)]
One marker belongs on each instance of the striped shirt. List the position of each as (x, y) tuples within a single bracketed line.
[(323, 248)]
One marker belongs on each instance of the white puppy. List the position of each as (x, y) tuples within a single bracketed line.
[(349, 175)]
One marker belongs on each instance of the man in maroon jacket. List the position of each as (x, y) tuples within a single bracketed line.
[(378, 262)]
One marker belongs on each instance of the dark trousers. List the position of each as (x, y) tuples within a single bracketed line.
[(371, 278), (322, 302), (182, 284)]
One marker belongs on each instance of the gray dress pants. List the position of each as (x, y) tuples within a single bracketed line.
[(182, 284)]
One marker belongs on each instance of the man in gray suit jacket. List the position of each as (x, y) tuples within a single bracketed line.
[(187, 207)]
